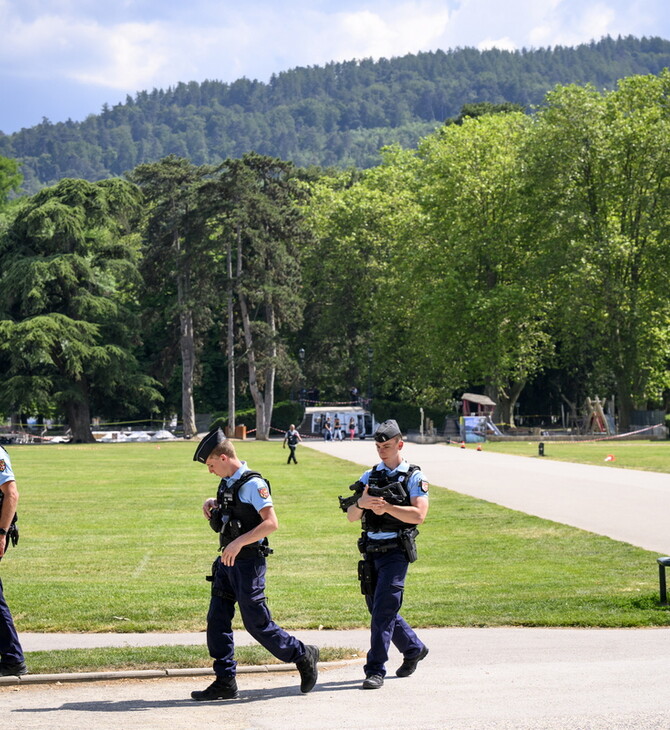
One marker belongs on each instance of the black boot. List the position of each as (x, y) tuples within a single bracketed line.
[(222, 688), (307, 666), (16, 669)]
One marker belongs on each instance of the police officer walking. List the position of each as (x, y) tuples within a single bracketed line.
[(244, 516), (387, 547), (12, 661), (291, 438)]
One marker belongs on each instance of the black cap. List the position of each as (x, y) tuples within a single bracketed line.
[(387, 430), (213, 438)]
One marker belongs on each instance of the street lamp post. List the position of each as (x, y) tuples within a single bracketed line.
[(301, 355), (370, 353)]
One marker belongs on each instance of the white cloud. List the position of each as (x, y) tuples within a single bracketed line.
[(254, 42)]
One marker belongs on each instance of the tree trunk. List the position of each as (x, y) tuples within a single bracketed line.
[(230, 340), (626, 406), (256, 394), (187, 347), (78, 414), (187, 344), (270, 371), (505, 399)]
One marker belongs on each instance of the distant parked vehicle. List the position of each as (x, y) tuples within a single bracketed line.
[(163, 435), (315, 419)]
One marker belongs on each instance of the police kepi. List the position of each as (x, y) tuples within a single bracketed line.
[(213, 439), (387, 430)]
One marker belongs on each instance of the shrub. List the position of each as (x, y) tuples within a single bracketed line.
[(408, 416), (283, 415)]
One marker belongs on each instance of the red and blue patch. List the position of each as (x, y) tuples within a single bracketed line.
[(264, 492)]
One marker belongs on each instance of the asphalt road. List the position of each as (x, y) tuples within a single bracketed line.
[(472, 678), (483, 679)]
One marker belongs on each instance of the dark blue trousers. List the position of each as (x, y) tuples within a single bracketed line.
[(387, 624), (10, 648), (244, 583)]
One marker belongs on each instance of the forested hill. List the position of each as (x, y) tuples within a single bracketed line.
[(340, 114)]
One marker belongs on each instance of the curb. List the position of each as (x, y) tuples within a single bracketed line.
[(13, 681)]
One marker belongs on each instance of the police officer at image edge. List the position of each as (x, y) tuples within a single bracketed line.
[(12, 660), (243, 515), (390, 499)]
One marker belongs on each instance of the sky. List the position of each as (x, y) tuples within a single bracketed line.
[(64, 59)]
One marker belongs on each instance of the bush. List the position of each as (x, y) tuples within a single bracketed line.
[(408, 416), (283, 415)]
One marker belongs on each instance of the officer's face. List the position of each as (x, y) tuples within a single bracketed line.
[(389, 451), (217, 465)]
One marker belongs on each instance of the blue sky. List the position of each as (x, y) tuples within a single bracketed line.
[(64, 59)]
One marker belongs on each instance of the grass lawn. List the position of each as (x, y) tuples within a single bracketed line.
[(645, 455), (155, 657), (113, 539)]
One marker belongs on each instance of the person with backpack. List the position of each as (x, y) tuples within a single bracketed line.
[(243, 514), (12, 660), (291, 438)]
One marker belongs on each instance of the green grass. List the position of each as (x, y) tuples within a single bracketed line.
[(645, 455), (113, 539), (155, 657)]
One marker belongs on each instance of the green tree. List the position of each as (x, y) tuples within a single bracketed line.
[(68, 267), (174, 276), (600, 174), (479, 315), (10, 179), (265, 231), (360, 221)]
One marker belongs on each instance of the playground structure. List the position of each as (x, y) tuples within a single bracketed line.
[(477, 418)]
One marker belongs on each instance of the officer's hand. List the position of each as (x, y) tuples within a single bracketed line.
[(379, 506), (230, 552), (365, 501), (208, 506)]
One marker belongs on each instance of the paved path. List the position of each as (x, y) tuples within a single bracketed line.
[(624, 504), (473, 679)]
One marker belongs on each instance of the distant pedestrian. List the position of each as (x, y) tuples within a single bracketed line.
[(327, 431), (352, 428), (337, 429), (291, 438)]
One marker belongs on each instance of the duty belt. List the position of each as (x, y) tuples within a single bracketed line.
[(381, 546)]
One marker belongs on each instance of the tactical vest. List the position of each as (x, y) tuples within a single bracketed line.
[(240, 517), (386, 523)]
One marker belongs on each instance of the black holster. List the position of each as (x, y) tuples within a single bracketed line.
[(407, 539), (367, 575)]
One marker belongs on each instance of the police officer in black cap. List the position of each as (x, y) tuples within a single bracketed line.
[(387, 547), (244, 516)]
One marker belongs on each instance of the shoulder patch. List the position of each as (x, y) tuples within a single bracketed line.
[(424, 487), (264, 492), (3, 464)]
